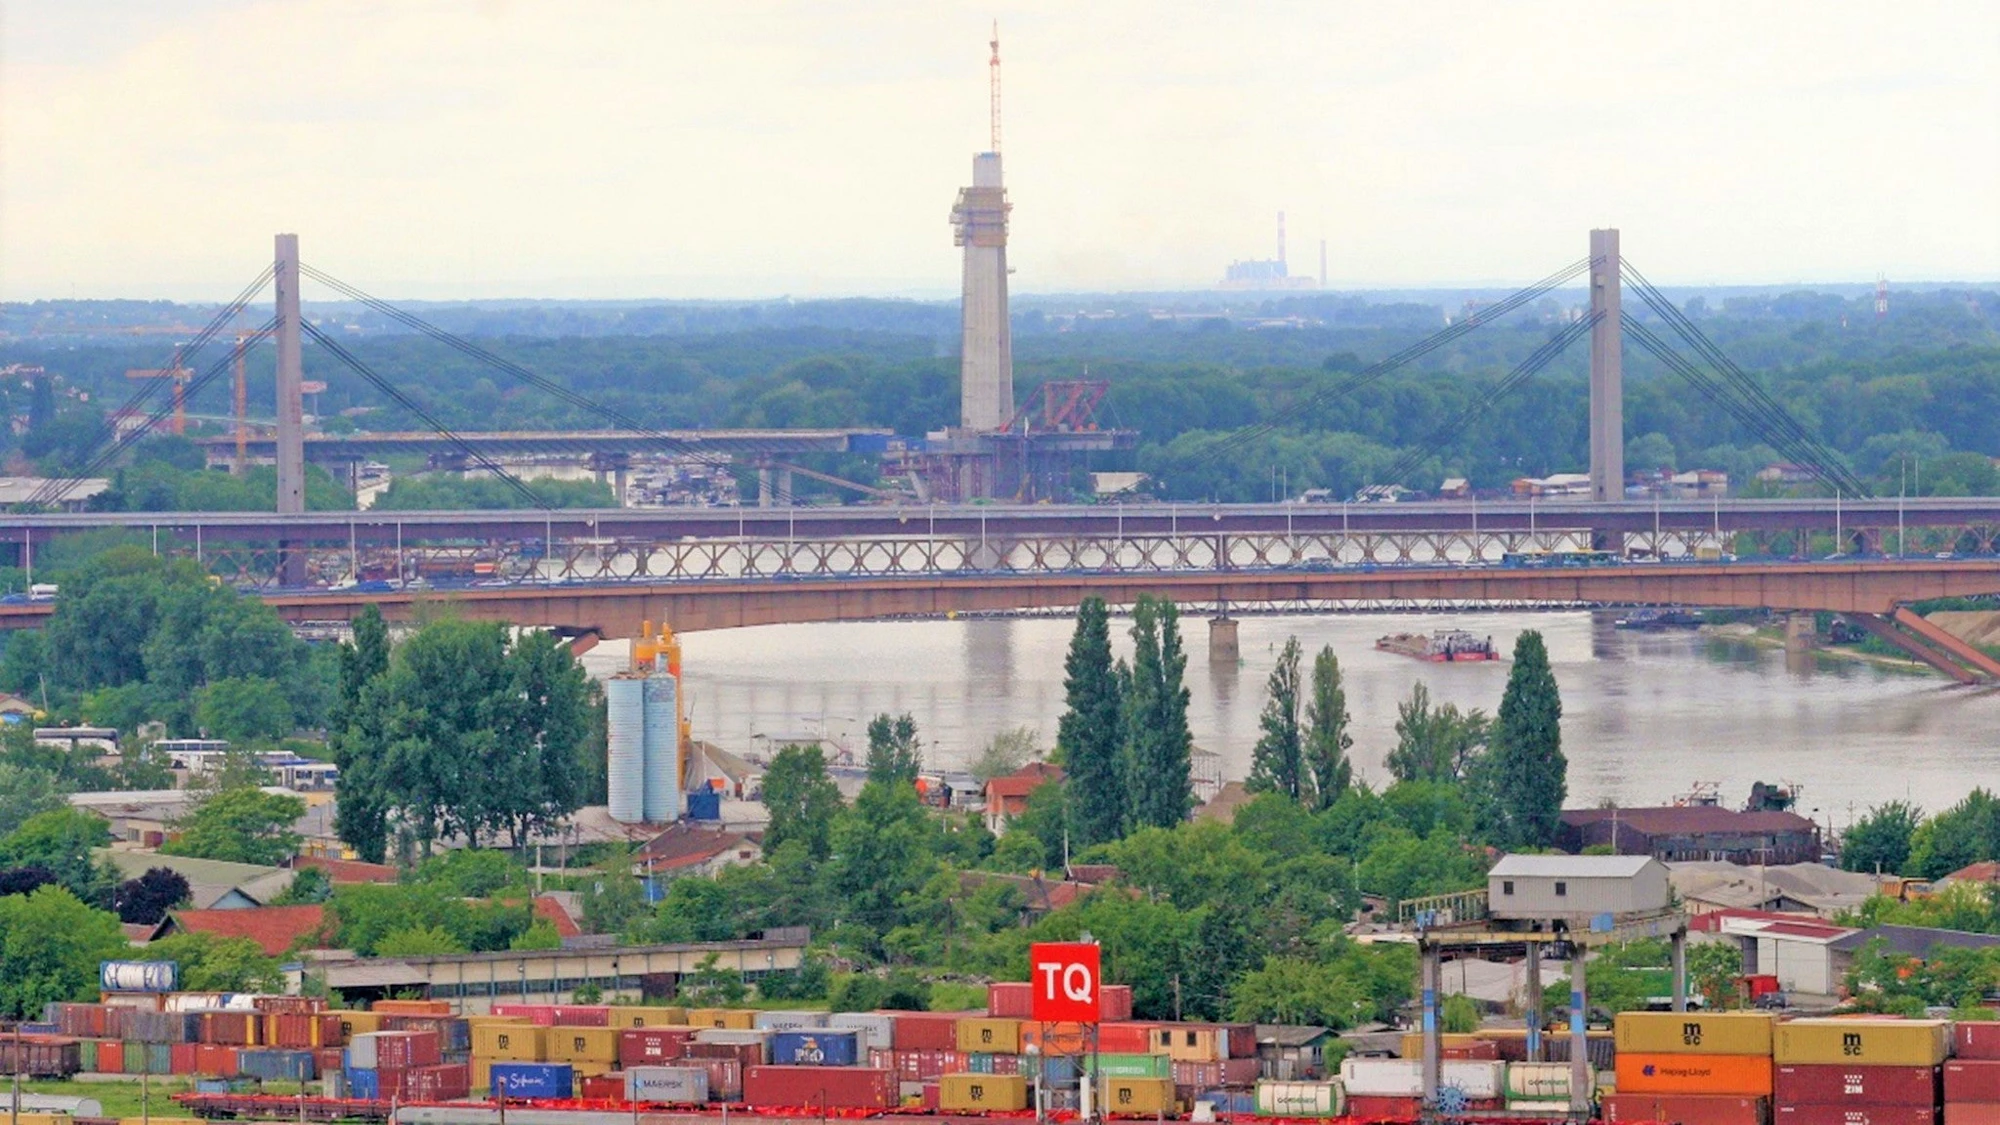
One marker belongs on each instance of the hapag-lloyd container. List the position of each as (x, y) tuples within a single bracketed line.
[(1693, 1033), (1808, 1084), (819, 1087), (1686, 1109), (1873, 1042), (1740, 1075), (1404, 1078), (686, 1084), (1854, 1115)]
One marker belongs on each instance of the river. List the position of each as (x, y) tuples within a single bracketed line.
[(1645, 715)]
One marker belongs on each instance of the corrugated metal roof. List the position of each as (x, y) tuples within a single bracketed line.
[(1573, 866), (1672, 820)]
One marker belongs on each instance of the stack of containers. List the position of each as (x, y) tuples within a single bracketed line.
[(403, 1066), (508, 1041), (1859, 1071), (1704, 1068), (1972, 1076), (924, 1046), (589, 1051), (1393, 1089)]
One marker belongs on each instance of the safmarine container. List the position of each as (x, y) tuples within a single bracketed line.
[(1685, 1109), (1854, 1114), (1300, 1099), (1151, 1097), (816, 1048), (1805, 1084), (532, 1080), (1693, 1033), (1740, 1075), (1875, 1042), (980, 1093), (994, 1036), (819, 1087), (666, 1084)]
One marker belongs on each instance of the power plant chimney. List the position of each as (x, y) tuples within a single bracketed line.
[(979, 222), (1322, 263), (1281, 244)]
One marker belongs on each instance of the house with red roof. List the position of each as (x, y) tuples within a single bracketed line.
[(343, 872), (1007, 797), (275, 929), (690, 848)]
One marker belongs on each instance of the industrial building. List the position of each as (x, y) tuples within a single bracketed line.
[(647, 733), (1272, 273), (1566, 888), (1694, 832)]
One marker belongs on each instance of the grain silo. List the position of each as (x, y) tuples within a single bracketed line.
[(663, 748), (625, 715)]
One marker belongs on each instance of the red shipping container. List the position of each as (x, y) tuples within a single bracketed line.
[(405, 1050), (302, 1031), (541, 1015), (235, 1029), (1972, 1113), (925, 1066), (440, 1082), (924, 1031), (1369, 1108), (1973, 1081), (1114, 1002), (1831, 1084), (1976, 1039), (725, 1080), (1242, 1040), (181, 1058), (603, 1088), (819, 1087), (743, 1054), (582, 1015), (1855, 1114), (1684, 1109), (1241, 1072), (1126, 1038), (326, 1060), (651, 1046), (1201, 1075), (213, 1060), (289, 1004), (1479, 1050), (1010, 999), (110, 1057)]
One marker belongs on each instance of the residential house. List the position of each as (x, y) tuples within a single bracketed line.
[(343, 872), (14, 709), (213, 884), (1007, 796), (687, 848), (277, 930), (1291, 1052)]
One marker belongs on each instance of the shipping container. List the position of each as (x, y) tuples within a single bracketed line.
[(1805, 1084), (734, 1019), (643, 1046), (1878, 1042), (213, 1060), (238, 1029), (397, 1050), (1413, 1043), (356, 1023), (182, 1058), (1376, 1107), (819, 1087), (734, 1037), (602, 1088), (985, 1062), (996, 1036), (1138, 1097), (1693, 1033), (1404, 1078), (878, 1032), (816, 1048), (453, 1034), (1972, 1080), (725, 1079), (1114, 1003), (276, 1064), (742, 1054), (441, 1082), (571, 1044), (1131, 1066), (684, 1085), (1128, 1038), (1055, 1038), (1976, 1039), (982, 1093), (1972, 1113), (411, 1007), (924, 1031), (922, 1066), (1015, 1000), (1300, 1099), (647, 1017), (532, 1080), (1685, 1109), (302, 1030), (510, 1042), (1535, 1082), (789, 1021), (110, 1057), (1741, 1075), (1783, 1114)]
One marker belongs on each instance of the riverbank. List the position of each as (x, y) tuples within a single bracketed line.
[(1773, 637)]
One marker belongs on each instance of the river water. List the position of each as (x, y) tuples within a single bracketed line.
[(1645, 715)]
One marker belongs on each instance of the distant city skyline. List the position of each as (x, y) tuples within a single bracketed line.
[(480, 149)]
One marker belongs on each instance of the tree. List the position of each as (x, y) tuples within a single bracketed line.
[(614, 899), (1159, 745), (242, 825), (1435, 744), (1880, 841), (882, 851), (50, 947), (1529, 770), (60, 841), (147, 899), (1965, 833), (219, 964), (894, 752), (26, 792), (420, 941), (1090, 737), (1278, 761), (545, 715), (243, 708), (803, 800), (1004, 753), (1327, 740), (355, 736)]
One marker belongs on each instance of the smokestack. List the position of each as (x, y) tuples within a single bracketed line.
[(1281, 243), (1322, 263)]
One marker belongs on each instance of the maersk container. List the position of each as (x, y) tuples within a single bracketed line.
[(684, 1084), (625, 728), (533, 1080), (816, 1048), (663, 749), (1300, 1099)]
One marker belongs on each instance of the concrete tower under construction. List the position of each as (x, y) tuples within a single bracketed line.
[(986, 358)]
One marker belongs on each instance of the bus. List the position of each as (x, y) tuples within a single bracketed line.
[(1565, 558)]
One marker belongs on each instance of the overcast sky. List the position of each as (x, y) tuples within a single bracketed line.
[(644, 148)]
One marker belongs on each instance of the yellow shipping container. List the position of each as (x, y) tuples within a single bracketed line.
[(593, 1069), (512, 1042), (482, 1074), (990, 1036), (651, 1017), (581, 1045), (1413, 1042), (732, 1019), (1867, 1042), (1139, 1096), (1694, 1033), (1190, 1043), (974, 1093), (357, 1023)]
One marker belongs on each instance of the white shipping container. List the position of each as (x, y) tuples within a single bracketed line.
[(877, 1032), (1301, 1099), (1404, 1078), (791, 1021), (666, 1084), (735, 1037), (361, 1051), (1538, 1081), (212, 1002)]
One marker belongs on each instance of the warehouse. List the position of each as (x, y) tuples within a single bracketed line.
[(1694, 832)]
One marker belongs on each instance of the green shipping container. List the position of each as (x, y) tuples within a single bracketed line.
[(88, 1053), (1132, 1066), (135, 1057)]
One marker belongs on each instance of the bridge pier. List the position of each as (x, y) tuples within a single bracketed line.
[(1607, 391), (1801, 632), (1222, 644), (291, 439)]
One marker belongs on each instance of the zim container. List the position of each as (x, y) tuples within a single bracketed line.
[(1854, 1114), (644, 1046), (1741, 1075), (1876, 1042), (1805, 1084), (980, 1093), (1300, 1099), (1685, 1109), (1971, 1113), (1693, 1033)]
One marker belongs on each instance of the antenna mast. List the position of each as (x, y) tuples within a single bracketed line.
[(993, 68)]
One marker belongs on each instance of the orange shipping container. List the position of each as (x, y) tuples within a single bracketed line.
[(411, 1007), (1748, 1075)]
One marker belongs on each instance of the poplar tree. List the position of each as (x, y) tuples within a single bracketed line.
[(1326, 739), (1090, 737), (1159, 748), (1278, 761), (1529, 773)]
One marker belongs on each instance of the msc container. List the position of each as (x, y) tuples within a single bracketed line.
[(924, 1031), (980, 1093), (581, 1044), (532, 1080), (1131, 1066), (647, 1017), (1741, 1075), (677, 1084), (1149, 1097), (734, 1019), (1301, 1099), (1536, 1082), (816, 1048), (1404, 1078), (643, 1046), (625, 728), (878, 1032), (1693, 1033), (1805, 1084), (1976, 1039), (994, 1036), (819, 1087), (1972, 1080), (1854, 1114), (1685, 1109), (1014, 999), (1851, 1041), (510, 1042)]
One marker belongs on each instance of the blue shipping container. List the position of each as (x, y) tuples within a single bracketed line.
[(533, 1080), (704, 804), (364, 1084), (276, 1065), (816, 1048), (1058, 1070)]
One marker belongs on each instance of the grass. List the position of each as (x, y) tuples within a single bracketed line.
[(124, 1099)]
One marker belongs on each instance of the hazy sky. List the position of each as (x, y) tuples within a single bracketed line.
[(644, 148)]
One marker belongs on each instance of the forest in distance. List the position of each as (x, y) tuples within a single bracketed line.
[(1910, 400)]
